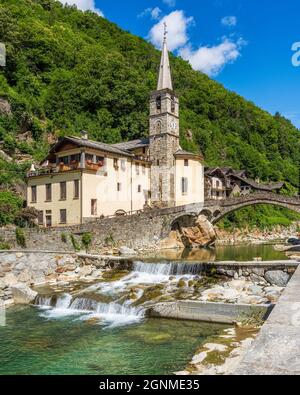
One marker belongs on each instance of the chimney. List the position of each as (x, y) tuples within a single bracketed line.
[(84, 135)]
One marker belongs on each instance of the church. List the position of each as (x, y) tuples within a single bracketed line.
[(81, 180)]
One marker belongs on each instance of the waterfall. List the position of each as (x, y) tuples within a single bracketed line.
[(111, 314), (168, 268)]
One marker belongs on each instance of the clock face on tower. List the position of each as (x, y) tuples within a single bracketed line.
[(173, 125)]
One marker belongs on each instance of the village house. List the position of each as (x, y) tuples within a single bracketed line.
[(223, 183), (81, 180)]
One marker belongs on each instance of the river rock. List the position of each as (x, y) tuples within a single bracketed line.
[(25, 276), (252, 299), (22, 294), (85, 271), (127, 251), (273, 296), (277, 277), (239, 285), (255, 290), (2, 284), (10, 279)]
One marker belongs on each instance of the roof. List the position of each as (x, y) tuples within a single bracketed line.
[(184, 153), (134, 144), (262, 187), (92, 144)]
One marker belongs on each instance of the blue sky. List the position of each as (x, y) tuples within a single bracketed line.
[(245, 45)]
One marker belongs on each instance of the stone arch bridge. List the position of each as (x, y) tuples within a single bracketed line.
[(193, 224), (215, 210), (149, 228)]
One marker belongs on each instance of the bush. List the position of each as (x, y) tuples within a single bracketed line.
[(27, 218), (86, 240), (10, 207), (63, 238), (74, 242), (20, 237), (4, 245)]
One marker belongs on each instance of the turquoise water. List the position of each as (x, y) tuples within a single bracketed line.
[(33, 344)]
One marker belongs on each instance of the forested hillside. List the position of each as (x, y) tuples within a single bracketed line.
[(68, 70)]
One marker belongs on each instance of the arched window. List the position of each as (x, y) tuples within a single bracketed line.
[(158, 127), (173, 104)]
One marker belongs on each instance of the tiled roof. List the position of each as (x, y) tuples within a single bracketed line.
[(182, 152), (134, 144), (95, 145)]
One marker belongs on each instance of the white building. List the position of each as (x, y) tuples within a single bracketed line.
[(82, 180)]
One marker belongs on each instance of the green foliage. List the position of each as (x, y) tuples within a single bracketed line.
[(86, 240), (261, 216), (10, 207), (4, 245), (20, 237), (109, 240), (75, 243), (69, 70), (64, 238)]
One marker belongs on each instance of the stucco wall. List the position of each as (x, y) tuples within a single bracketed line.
[(70, 204), (194, 172)]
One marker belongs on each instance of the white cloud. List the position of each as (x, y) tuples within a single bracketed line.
[(211, 60), (177, 24), (84, 5), (154, 12), (229, 21), (170, 3)]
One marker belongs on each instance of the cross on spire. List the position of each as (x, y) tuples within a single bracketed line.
[(165, 31)]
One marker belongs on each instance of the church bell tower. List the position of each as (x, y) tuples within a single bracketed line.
[(164, 134)]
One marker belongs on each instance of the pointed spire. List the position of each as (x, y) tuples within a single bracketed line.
[(165, 79)]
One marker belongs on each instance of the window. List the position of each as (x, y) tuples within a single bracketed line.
[(48, 192), (157, 162), (41, 218), (173, 104), (143, 169), (48, 218), (75, 158), (123, 164), (158, 127), (64, 160), (63, 216), (186, 163), (116, 164), (119, 187), (63, 190), (94, 207), (33, 194), (137, 169), (218, 184), (76, 189), (158, 103), (184, 185), (139, 189)]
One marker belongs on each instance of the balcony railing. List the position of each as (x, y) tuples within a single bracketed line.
[(62, 167)]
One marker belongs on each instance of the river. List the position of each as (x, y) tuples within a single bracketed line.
[(101, 328)]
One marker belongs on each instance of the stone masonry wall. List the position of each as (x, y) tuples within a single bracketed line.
[(140, 231)]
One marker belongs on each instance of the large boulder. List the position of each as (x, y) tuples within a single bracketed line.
[(22, 294), (277, 277), (203, 234)]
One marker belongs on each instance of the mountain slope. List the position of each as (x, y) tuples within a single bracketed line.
[(68, 70)]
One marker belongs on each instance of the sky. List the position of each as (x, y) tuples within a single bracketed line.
[(251, 47)]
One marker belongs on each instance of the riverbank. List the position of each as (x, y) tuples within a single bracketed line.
[(256, 236)]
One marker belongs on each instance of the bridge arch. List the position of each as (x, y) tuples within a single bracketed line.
[(230, 206)]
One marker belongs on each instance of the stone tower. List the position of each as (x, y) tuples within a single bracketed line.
[(164, 134)]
